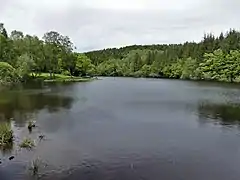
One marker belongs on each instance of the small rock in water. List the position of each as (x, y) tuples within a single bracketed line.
[(41, 137), (11, 158)]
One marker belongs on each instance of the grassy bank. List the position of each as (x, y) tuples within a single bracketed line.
[(60, 78)]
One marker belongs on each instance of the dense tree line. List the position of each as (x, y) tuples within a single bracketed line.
[(23, 55), (214, 58)]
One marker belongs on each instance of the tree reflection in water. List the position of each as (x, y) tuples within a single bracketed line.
[(223, 114), (23, 107)]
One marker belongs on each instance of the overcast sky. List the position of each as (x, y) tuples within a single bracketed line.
[(97, 24)]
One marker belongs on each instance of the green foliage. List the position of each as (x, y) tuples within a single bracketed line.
[(189, 69), (61, 78), (66, 73), (8, 74), (83, 65), (3, 31), (24, 66), (221, 66), (27, 143), (145, 70), (54, 55), (214, 58), (6, 134)]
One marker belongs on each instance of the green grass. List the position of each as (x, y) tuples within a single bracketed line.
[(56, 76), (61, 78), (68, 80), (27, 143), (6, 134)]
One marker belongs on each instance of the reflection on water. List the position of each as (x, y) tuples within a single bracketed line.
[(224, 114), (7, 149), (24, 105), (123, 128)]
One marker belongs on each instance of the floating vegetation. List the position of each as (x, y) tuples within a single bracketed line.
[(27, 143), (31, 124), (6, 134), (35, 166)]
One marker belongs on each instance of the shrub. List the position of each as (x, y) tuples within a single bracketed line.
[(8, 74), (24, 66)]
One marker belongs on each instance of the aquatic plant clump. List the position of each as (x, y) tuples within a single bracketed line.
[(31, 124), (35, 166), (27, 143), (6, 134)]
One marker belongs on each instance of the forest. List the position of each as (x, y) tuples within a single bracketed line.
[(24, 57), (214, 58)]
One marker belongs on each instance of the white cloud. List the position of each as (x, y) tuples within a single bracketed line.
[(96, 24), (137, 4)]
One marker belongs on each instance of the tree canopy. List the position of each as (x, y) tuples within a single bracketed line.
[(53, 53), (213, 58)]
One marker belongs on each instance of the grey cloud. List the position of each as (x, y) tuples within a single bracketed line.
[(101, 28)]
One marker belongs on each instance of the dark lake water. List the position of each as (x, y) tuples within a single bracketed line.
[(125, 129)]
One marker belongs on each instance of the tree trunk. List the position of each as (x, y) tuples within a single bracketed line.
[(50, 74)]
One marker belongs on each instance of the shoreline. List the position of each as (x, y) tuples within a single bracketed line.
[(69, 80), (167, 78)]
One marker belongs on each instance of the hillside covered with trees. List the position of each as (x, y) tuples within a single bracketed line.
[(25, 56), (214, 58)]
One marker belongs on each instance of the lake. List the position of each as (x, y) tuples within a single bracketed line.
[(125, 129)]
